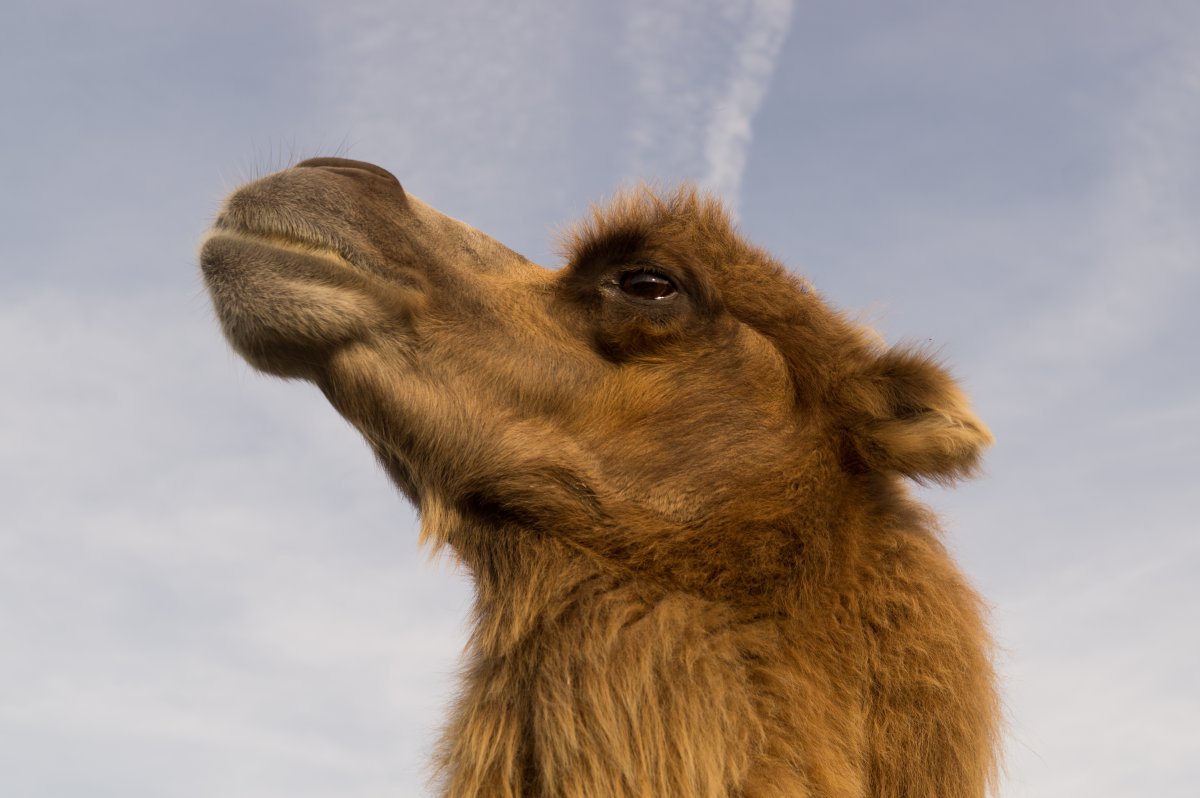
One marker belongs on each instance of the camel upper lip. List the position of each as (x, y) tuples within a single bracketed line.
[(260, 231), (247, 225)]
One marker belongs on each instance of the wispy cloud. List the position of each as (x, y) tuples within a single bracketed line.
[(471, 110), (1096, 392), (174, 587), (468, 100), (699, 80), (1139, 242), (729, 132)]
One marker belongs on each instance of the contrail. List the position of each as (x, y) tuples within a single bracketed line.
[(729, 133), (700, 72)]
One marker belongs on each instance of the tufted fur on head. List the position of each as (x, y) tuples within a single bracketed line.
[(900, 409), (676, 474)]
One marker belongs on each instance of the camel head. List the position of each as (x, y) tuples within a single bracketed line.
[(670, 399)]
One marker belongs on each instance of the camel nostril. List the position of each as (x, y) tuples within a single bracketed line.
[(346, 163)]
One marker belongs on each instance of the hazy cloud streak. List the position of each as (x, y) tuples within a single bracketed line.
[(728, 139), (699, 80)]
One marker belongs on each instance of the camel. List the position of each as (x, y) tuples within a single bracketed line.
[(676, 475)]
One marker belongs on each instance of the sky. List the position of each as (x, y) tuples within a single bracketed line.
[(207, 587)]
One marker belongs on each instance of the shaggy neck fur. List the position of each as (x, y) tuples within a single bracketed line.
[(589, 680)]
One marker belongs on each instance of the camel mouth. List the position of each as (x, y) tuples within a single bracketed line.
[(281, 242), (238, 258), (254, 236), (244, 218)]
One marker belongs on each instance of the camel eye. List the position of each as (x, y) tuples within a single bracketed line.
[(647, 285)]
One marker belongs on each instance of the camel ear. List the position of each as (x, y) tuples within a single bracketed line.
[(909, 417)]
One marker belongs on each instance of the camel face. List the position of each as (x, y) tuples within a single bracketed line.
[(488, 384), (676, 475)]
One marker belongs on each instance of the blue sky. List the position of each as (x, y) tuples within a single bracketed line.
[(207, 587)]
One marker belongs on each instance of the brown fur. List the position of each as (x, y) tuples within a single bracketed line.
[(698, 570)]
